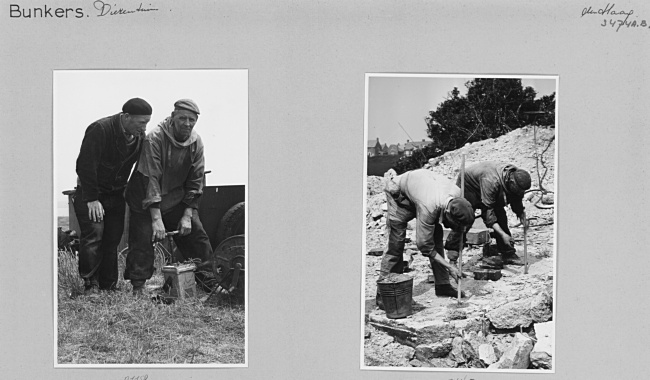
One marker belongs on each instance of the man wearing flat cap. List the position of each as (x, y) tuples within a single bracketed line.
[(490, 186), (163, 194), (108, 151), (432, 200)]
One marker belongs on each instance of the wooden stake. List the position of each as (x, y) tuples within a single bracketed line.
[(462, 233), (525, 244)]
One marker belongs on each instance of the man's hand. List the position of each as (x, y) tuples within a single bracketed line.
[(185, 224), (507, 239), (455, 273), (157, 225), (158, 230), (95, 211), (523, 220)]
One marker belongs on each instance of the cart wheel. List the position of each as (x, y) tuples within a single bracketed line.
[(225, 258), (232, 223)]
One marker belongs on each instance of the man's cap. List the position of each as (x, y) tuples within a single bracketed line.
[(187, 104), (137, 107), (461, 211), (519, 181)]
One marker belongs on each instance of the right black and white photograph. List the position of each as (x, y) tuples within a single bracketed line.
[(460, 223)]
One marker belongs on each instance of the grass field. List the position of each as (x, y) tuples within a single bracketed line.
[(120, 328)]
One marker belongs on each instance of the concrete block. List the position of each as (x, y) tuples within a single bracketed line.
[(475, 236), (487, 274)]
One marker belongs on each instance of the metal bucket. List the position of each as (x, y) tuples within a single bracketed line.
[(397, 298)]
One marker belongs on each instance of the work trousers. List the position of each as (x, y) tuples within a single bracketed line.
[(99, 240), (453, 240), (140, 259), (429, 239)]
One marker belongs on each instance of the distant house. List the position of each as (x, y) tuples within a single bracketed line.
[(393, 150), (411, 146), (384, 150), (374, 148)]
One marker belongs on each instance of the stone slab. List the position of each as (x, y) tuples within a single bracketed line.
[(376, 252), (542, 354), (517, 356)]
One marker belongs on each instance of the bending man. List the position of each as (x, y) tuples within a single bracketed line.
[(163, 194), (490, 186), (109, 149), (432, 200)]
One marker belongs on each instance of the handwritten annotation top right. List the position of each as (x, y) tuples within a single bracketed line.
[(616, 18)]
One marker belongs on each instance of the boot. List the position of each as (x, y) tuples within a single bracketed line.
[(492, 262), (448, 290), (511, 258), (138, 287), (91, 286)]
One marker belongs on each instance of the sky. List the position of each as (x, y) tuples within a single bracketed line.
[(84, 96), (395, 99)]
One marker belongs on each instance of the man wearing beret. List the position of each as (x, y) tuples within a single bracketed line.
[(433, 200), (163, 194), (108, 151), (490, 186)]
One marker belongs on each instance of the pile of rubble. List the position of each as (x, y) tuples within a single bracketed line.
[(503, 324)]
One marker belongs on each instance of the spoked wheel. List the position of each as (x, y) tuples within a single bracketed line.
[(228, 261)]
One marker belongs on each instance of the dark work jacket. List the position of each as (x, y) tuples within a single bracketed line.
[(104, 165), (169, 172), (485, 186)]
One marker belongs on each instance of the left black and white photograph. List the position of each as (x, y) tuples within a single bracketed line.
[(150, 173)]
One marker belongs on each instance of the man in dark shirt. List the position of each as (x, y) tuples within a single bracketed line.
[(109, 149), (163, 194), (490, 186)]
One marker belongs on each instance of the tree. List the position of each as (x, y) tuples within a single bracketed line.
[(491, 108), (546, 104)]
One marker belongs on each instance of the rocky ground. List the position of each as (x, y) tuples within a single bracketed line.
[(503, 324)]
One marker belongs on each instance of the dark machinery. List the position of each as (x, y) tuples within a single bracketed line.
[(228, 265), (222, 213)]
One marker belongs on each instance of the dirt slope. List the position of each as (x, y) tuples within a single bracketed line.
[(517, 147)]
